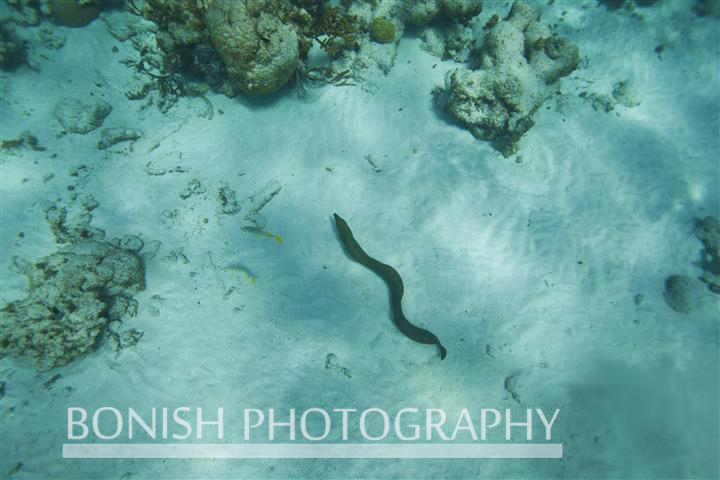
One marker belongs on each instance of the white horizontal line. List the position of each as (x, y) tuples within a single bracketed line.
[(317, 450)]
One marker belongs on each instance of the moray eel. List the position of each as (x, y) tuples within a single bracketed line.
[(394, 283)]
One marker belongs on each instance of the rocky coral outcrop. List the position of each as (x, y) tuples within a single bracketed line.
[(181, 27), (260, 52), (249, 42), (521, 60), (72, 295)]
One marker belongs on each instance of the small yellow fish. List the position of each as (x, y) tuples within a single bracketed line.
[(263, 233), (239, 267)]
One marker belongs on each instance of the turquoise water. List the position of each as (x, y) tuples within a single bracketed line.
[(168, 241)]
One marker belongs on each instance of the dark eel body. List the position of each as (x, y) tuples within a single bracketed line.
[(394, 283)]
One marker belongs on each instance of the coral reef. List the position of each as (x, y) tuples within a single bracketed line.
[(258, 46), (252, 43), (521, 60), (259, 50), (179, 43), (73, 293)]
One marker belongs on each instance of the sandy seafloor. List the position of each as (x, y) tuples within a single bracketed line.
[(538, 258)]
